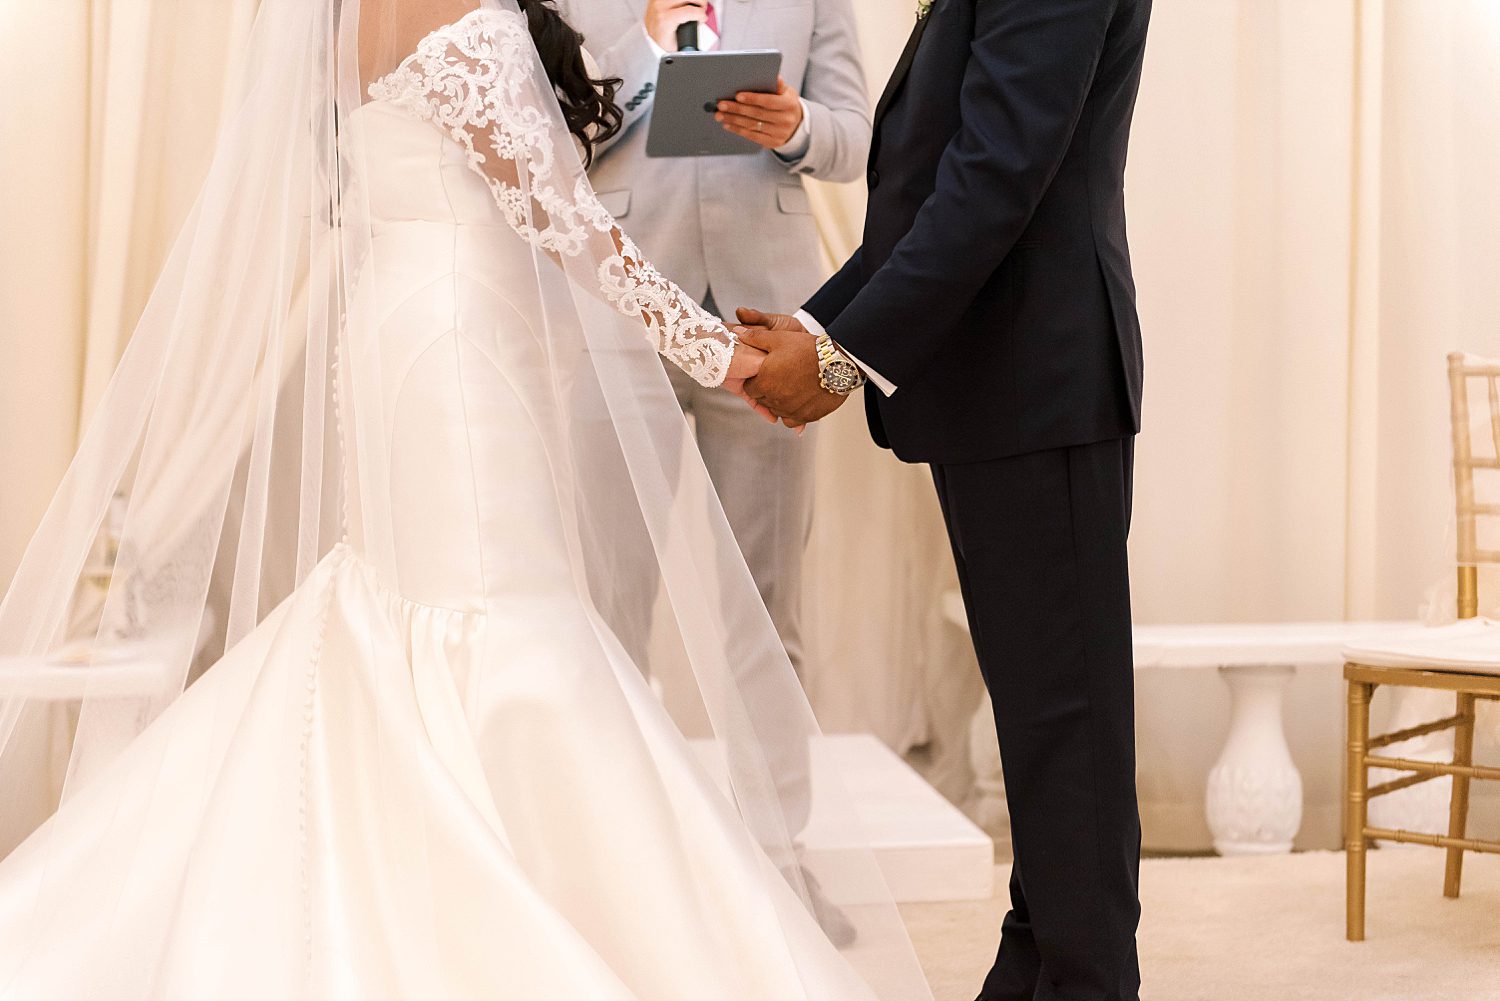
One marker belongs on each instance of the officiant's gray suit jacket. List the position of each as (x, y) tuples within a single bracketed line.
[(739, 225)]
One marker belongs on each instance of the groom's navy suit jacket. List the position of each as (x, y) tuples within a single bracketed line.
[(994, 285)]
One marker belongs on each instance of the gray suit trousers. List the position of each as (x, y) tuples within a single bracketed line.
[(763, 475)]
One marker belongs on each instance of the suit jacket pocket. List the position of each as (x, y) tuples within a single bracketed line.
[(793, 199), (616, 203)]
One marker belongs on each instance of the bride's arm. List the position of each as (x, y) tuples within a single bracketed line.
[(476, 79)]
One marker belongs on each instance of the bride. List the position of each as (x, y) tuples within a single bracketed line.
[(309, 684)]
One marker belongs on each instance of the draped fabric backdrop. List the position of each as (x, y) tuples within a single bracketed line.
[(108, 110), (1315, 224), (1316, 227), (880, 657)]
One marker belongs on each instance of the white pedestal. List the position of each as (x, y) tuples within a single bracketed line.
[(1254, 794), (1254, 790)]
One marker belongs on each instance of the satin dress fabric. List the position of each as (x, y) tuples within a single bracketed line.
[(432, 772)]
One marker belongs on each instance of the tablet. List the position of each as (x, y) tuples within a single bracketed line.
[(689, 87)]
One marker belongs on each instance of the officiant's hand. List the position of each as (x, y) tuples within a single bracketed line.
[(768, 120), (664, 17), (788, 384)]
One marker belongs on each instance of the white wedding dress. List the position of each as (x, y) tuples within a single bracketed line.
[(431, 772)]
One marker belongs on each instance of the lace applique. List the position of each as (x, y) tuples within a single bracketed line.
[(474, 79)]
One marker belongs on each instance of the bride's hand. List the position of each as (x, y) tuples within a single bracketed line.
[(746, 365)]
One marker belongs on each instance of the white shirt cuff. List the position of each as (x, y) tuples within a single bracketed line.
[(801, 141), (880, 382)]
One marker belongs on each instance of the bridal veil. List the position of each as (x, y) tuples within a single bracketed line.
[(215, 479)]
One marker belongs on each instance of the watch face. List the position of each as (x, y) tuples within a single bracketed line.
[(842, 377)]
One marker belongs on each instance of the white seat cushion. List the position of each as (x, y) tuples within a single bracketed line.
[(1472, 646)]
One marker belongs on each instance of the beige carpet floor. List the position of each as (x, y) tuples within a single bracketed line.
[(1271, 929)]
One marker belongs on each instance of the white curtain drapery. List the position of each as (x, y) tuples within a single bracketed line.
[(108, 110), (1315, 227), (880, 657)]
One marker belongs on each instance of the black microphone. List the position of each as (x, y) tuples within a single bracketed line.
[(687, 36)]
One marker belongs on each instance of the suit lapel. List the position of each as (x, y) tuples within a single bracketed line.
[(903, 67), (735, 16)]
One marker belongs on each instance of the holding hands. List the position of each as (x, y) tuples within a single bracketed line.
[(745, 365), (786, 382)]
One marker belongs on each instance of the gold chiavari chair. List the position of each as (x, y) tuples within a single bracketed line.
[(1463, 659)]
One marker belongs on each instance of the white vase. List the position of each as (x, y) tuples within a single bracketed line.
[(1254, 790)]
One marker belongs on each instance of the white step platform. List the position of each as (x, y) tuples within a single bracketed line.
[(63, 681), (928, 851)]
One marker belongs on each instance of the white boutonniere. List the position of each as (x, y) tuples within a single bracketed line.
[(924, 7)]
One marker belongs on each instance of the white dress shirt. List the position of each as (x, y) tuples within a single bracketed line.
[(815, 328)]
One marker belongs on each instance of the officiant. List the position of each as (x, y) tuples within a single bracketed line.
[(738, 230)]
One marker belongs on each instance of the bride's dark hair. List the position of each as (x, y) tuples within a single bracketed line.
[(588, 105)]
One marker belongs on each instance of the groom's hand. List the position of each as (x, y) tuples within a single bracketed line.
[(788, 384)]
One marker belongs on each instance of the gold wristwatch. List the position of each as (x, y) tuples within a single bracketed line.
[(836, 373)]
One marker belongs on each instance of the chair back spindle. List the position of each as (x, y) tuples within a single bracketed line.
[(1462, 371)]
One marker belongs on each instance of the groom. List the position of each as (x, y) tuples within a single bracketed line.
[(992, 306)]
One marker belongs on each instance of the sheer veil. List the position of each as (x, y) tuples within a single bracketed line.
[(243, 443)]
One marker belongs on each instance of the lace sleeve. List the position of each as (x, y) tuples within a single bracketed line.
[(476, 79)]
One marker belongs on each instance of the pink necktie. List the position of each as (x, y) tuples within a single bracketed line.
[(713, 24)]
